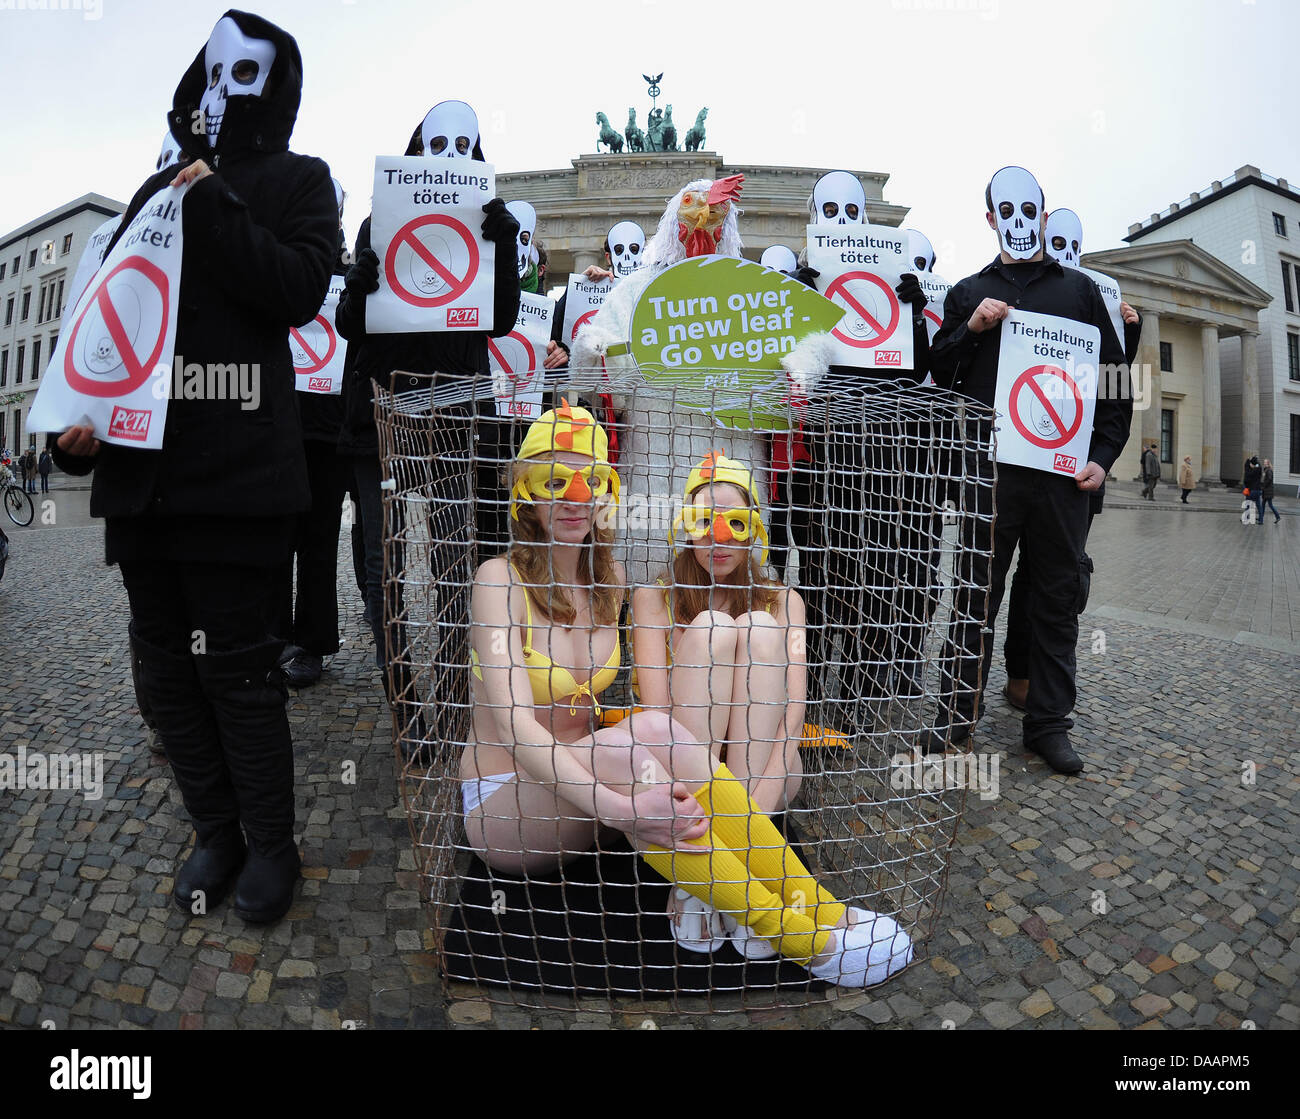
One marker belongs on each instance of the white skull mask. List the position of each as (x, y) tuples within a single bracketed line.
[(838, 199), (525, 252), (1063, 237), (1018, 210), (920, 250), (626, 242), (233, 63), (339, 195), (779, 258), (169, 154), (451, 130)]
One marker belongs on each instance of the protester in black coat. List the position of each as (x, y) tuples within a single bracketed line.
[(198, 526)]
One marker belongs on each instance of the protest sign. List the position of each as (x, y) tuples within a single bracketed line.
[(87, 266), (517, 359), (581, 302), (1111, 297), (317, 350)]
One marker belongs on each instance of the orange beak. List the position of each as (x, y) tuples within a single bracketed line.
[(722, 531), (579, 493)]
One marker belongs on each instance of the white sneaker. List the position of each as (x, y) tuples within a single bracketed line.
[(867, 952), (747, 942), (698, 926)]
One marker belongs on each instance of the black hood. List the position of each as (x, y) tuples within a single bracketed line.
[(263, 123)]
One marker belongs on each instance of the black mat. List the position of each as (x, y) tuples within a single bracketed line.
[(600, 928)]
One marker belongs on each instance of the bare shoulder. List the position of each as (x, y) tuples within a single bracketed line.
[(648, 602), (494, 572), (791, 606)]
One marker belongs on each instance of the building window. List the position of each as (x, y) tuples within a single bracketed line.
[(1279, 224), (31, 259), (9, 311), (36, 358), (18, 428), (3, 267), (18, 364), (1295, 445), (54, 343), (27, 305), (1293, 356), (1166, 357), (40, 309), (1166, 435), (67, 243), (58, 303), (1286, 286), (4, 368), (17, 261)]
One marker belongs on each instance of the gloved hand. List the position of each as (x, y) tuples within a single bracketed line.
[(909, 291), (499, 226), (363, 277), (805, 275)]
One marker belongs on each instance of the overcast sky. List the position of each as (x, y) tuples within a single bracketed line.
[(1119, 108)]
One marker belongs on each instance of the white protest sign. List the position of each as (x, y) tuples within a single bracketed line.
[(1111, 297), (581, 302), (516, 360), (112, 367), (1046, 392), (860, 266), (436, 272), (316, 349), (87, 266), (936, 291)]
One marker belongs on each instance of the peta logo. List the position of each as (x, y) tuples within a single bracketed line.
[(130, 423), (318, 384), (1067, 463), (889, 357), (462, 316)]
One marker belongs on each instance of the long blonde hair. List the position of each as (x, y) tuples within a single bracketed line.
[(530, 554)]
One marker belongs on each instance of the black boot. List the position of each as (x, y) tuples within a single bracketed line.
[(247, 694), (170, 686)]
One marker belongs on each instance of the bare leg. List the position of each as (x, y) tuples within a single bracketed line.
[(703, 670), (759, 700)]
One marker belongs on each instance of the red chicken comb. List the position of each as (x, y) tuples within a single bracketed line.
[(726, 190)]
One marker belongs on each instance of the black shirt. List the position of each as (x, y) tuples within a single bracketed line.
[(968, 362)]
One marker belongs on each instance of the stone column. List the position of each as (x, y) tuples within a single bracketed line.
[(1149, 358), (1211, 406), (585, 258), (1249, 394)]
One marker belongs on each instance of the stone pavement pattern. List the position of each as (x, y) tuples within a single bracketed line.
[(1158, 890)]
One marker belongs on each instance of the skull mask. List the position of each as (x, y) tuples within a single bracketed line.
[(625, 242), (780, 259), (234, 65), (920, 250), (169, 154), (1063, 237), (838, 199), (1018, 211), (451, 130), (526, 216), (339, 195)]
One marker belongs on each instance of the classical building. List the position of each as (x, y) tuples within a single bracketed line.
[(1191, 304), (37, 262), (576, 206), (1251, 222)]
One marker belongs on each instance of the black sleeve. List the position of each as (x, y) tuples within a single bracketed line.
[(1132, 336), (76, 465), (1114, 413), (350, 315), (282, 274), (505, 288), (955, 343), (920, 348), (557, 327)]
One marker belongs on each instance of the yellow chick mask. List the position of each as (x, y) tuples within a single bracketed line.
[(564, 429), (726, 526)]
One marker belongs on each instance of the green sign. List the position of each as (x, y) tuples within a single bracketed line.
[(715, 329)]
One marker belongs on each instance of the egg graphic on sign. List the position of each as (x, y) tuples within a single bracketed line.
[(99, 348)]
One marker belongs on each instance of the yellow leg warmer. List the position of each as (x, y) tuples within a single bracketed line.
[(724, 879)]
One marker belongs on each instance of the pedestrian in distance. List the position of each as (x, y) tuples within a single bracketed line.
[(1252, 480), (1186, 482), (1266, 493), (1150, 472)]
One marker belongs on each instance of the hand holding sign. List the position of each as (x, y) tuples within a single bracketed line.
[(987, 315), (80, 441), (1091, 477)]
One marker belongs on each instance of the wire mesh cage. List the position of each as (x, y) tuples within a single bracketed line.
[(765, 589)]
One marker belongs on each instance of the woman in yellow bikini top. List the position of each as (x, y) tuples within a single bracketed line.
[(718, 643), (540, 783)]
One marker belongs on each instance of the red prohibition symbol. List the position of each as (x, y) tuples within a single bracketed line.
[(456, 285), (582, 321), (315, 362), (516, 377), (839, 287), (1028, 381), (137, 370)]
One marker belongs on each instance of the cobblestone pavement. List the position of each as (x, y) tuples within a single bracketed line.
[(1157, 890)]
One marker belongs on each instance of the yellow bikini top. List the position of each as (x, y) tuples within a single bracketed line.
[(552, 682)]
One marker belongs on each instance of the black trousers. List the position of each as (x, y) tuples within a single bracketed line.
[(1018, 647), (312, 622), (207, 668), (1047, 516)]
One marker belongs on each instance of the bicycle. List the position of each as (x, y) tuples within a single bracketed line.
[(17, 501)]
